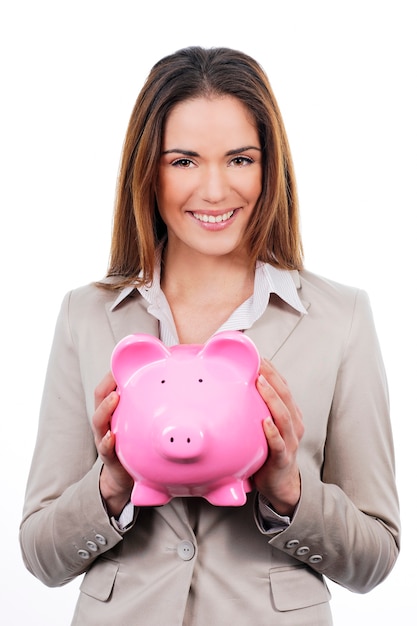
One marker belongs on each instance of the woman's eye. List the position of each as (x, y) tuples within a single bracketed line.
[(240, 161), (183, 163)]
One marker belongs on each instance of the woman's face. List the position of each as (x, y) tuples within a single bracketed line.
[(210, 175)]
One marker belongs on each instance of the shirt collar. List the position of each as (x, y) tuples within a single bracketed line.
[(283, 283)]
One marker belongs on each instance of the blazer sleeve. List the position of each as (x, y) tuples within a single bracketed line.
[(347, 522), (57, 538)]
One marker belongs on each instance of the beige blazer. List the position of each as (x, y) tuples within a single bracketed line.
[(189, 563)]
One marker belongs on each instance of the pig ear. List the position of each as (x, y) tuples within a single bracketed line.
[(134, 352), (237, 349)]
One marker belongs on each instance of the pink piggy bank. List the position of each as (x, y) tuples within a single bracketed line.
[(189, 418)]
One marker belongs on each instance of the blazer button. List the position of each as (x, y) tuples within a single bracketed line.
[(315, 558), (91, 546), (101, 540), (302, 551), (292, 543), (185, 550), (84, 554)]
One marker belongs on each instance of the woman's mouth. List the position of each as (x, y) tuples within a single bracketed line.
[(213, 219)]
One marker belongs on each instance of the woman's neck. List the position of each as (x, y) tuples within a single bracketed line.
[(188, 275), (203, 291)]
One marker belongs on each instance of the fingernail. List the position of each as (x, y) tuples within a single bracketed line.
[(262, 380)]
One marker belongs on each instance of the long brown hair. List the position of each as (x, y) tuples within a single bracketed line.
[(273, 231)]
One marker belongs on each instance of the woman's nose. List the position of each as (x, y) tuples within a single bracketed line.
[(214, 185)]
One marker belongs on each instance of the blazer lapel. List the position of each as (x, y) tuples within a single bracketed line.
[(131, 316), (273, 328)]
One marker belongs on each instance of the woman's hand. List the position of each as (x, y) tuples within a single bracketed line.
[(115, 483), (279, 479)]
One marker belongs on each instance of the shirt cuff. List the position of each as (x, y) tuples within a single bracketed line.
[(269, 521), (125, 518)]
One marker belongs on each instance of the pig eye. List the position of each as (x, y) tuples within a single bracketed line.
[(200, 380), (162, 381)]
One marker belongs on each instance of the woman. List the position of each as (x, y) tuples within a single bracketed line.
[(206, 238)]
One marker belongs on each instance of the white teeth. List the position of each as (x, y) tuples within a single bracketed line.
[(213, 219)]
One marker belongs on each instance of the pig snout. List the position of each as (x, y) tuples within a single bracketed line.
[(182, 443)]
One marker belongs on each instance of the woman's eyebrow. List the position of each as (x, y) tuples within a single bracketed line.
[(191, 153), (242, 149)]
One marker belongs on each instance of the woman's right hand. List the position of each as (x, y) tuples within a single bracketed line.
[(115, 483)]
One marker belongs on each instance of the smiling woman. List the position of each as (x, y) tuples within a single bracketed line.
[(209, 186), (206, 238)]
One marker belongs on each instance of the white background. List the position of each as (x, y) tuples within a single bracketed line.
[(345, 77)]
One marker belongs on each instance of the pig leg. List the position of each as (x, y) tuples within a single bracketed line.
[(232, 493), (147, 495)]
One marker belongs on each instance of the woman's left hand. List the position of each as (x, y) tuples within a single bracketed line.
[(279, 478)]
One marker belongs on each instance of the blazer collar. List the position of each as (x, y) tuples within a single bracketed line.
[(129, 315), (271, 330)]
